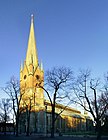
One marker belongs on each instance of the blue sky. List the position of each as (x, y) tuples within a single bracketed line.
[(72, 33)]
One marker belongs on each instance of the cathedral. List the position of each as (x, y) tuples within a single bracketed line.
[(36, 110)]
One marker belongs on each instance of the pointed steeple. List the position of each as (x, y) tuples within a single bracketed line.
[(31, 51)]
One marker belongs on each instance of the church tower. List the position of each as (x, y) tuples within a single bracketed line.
[(31, 74)]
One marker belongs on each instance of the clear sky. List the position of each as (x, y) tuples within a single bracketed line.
[(73, 33)]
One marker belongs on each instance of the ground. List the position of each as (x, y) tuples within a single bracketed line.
[(48, 138)]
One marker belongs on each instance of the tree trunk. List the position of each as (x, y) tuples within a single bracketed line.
[(17, 121), (99, 130), (28, 124), (53, 122), (5, 119), (4, 128)]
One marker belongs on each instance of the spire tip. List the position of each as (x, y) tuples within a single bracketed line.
[(32, 17)]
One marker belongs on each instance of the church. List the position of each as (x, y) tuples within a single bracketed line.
[(36, 110)]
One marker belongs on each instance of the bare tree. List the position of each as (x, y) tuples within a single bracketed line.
[(5, 109), (13, 90), (103, 101), (57, 85), (86, 90), (104, 95)]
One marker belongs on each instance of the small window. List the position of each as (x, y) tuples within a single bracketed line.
[(25, 76), (37, 77)]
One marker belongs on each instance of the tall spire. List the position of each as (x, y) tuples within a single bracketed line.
[(31, 51)]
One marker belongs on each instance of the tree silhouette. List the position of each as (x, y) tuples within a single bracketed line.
[(86, 91), (13, 90), (5, 109), (57, 85)]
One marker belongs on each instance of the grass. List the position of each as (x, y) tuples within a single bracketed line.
[(81, 133)]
